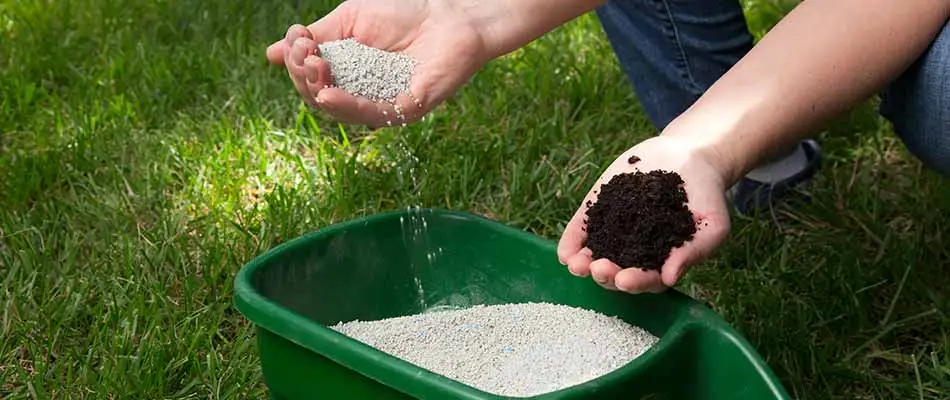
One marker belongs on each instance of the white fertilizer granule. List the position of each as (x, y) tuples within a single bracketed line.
[(366, 71), (517, 350)]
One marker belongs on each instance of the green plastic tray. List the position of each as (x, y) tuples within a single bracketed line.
[(373, 268)]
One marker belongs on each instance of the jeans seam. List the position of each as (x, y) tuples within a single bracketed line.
[(675, 37)]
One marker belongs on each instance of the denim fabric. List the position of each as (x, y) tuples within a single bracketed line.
[(918, 105), (673, 50)]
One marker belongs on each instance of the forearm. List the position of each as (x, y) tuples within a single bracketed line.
[(507, 25), (822, 59)]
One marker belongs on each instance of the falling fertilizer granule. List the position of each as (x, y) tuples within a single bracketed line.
[(366, 71), (516, 350)]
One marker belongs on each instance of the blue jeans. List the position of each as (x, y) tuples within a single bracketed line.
[(673, 50)]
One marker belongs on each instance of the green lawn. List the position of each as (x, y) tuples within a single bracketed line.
[(147, 151)]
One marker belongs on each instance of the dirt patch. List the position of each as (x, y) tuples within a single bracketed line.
[(638, 218)]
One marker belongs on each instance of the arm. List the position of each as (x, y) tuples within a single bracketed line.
[(822, 59), (510, 25), (452, 39)]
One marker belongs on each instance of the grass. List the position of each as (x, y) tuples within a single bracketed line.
[(147, 151)]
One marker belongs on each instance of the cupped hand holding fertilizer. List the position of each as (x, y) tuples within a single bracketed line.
[(381, 62), (656, 210)]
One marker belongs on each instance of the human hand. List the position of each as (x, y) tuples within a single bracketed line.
[(443, 38), (704, 185)]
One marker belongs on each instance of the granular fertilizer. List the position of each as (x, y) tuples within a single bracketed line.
[(365, 71), (517, 350)]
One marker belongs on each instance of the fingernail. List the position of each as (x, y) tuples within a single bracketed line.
[(291, 37), (312, 75), (571, 270), (296, 30), (299, 53)]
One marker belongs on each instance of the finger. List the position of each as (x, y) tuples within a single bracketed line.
[(409, 108), (572, 239), (603, 272), (277, 51), (579, 264), (295, 68), (295, 32), (636, 280), (398, 112), (299, 51), (349, 109), (317, 72), (416, 99), (712, 232)]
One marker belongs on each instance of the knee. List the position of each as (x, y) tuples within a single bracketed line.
[(918, 106)]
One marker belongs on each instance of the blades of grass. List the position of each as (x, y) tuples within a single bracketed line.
[(871, 286), (900, 287), (887, 329), (920, 386)]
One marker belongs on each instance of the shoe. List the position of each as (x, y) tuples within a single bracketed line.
[(751, 197)]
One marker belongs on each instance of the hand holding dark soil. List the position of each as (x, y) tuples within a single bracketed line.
[(638, 218), (657, 209)]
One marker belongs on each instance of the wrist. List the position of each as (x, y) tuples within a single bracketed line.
[(736, 129), (710, 142)]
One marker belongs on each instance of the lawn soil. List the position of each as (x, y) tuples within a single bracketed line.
[(639, 218)]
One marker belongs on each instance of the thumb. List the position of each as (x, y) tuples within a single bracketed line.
[(275, 52), (572, 239), (338, 24), (710, 234)]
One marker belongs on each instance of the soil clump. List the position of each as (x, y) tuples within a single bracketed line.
[(639, 218)]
